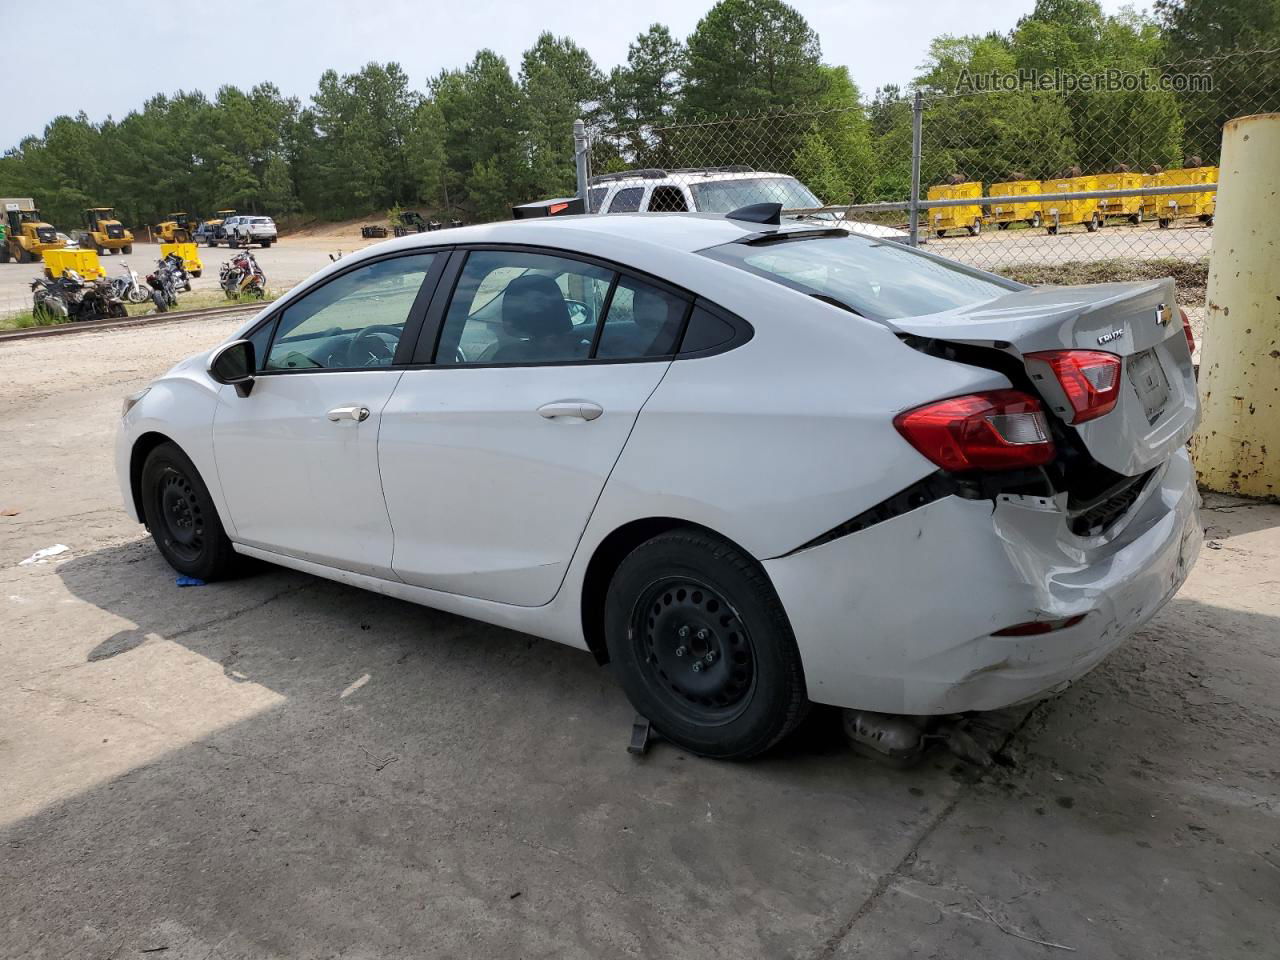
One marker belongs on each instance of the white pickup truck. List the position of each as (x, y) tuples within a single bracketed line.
[(245, 230)]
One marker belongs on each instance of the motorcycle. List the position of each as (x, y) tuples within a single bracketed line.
[(166, 280), (127, 286), (70, 297), (241, 277)]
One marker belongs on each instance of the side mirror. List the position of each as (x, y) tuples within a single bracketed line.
[(234, 364)]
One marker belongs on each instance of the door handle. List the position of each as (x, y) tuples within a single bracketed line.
[(356, 413), (582, 409)]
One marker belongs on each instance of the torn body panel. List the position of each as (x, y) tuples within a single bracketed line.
[(918, 597)]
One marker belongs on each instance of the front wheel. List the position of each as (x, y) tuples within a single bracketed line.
[(1036, 220), (158, 298), (703, 647), (181, 516), (975, 228)]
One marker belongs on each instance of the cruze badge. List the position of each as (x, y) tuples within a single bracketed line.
[(1163, 315), (1108, 337)]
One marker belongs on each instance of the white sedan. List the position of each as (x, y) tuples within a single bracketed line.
[(753, 464)]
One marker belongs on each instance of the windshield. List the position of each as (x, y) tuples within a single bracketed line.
[(723, 196), (879, 279)]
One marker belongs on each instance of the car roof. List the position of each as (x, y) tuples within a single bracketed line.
[(690, 176), (682, 232)]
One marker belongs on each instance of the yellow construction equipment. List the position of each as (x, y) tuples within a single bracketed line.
[(1064, 213), (83, 262), (176, 228), (1019, 211), (965, 216), (189, 253), (27, 236), (1192, 205), (1128, 207), (104, 232), (210, 231)]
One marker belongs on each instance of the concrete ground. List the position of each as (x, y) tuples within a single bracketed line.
[(283, 767)]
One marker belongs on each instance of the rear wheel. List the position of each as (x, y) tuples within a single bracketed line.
[(975, 228), (1036, 220), (702, 646), (1164, 223), (181, 516)]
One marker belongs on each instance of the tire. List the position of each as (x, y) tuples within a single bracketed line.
[(1051, 230), (1164, 223), (182, 517), (1036, 221), (162, 305), (687, 601), (1092, 225), (25, 255), (211, 242), (266, 244), (1135, 218), (975, 228), (196, 274), (940, 233), (1002, 225), (127, 249)]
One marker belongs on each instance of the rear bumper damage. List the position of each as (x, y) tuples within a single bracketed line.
[(899, 618)]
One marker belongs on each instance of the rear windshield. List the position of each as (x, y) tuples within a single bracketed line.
[(260, 220), (879, 279), (723, 196)]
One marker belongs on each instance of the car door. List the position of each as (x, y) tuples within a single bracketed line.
[(297, 458), (493, 455)]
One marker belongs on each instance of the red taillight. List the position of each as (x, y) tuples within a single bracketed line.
[(1090, 379), (1186, 330), (996, 430)]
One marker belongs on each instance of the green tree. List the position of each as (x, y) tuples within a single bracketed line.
[(751, 55), (561, 83)]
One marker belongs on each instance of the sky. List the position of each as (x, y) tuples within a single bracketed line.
[(291, 42)]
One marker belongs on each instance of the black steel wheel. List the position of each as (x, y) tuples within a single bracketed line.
[(182, 517), (697, 650), (703, 647)]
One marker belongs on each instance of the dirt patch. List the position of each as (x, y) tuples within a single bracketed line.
[(1191, 276)]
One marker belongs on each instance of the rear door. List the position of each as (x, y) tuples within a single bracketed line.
[(493, 456)]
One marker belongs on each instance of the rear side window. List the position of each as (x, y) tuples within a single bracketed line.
[(643, 321), (595, 197), (626, 200), (879, 279), (667, 199)]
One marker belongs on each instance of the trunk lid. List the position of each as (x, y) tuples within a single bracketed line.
[(1158, 407)]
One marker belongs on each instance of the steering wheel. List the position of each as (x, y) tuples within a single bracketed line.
[(369, 350)]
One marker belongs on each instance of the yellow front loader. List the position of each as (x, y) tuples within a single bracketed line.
[(176, 228), (27, 236), (104, 233)]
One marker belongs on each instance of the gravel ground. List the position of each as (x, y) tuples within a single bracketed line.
[(283, 767)]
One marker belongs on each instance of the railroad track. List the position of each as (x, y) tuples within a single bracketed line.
[(86, 326)]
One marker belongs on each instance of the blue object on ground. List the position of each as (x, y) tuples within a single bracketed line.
[(185, 581)]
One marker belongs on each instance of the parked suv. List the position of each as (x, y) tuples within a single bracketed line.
[(245, 230), (712, 190)]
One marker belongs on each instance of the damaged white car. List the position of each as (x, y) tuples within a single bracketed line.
[(752, 464)]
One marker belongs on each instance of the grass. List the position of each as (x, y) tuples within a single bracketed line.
[(199, 300)]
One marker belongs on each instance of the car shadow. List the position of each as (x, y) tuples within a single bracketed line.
[(409, 782)]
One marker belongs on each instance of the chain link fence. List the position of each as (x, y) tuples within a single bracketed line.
[(1046, 177)]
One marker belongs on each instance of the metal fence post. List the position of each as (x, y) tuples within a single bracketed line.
[(582, 160), (917, 124)]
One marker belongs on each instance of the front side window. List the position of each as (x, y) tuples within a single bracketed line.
[(516, 307), (626, 200), (643, 321), (352, 321), (879, 279)]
